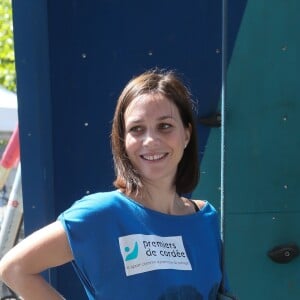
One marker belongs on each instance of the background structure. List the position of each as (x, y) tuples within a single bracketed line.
[(73, 58)]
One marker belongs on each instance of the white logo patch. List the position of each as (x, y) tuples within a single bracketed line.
[(143, 253)]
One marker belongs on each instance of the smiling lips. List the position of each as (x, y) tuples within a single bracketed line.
[(154, 157)]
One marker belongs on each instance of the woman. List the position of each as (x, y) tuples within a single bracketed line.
[(143, 240)]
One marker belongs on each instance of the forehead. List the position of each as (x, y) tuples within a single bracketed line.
[(151, 105)]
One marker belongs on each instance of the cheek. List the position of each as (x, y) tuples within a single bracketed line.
[(181, 138), (130, 144)]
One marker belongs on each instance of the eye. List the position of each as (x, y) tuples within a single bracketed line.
[(165, 126), (136, 129)]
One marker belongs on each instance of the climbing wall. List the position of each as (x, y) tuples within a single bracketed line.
[(73, 58), (262, 166)]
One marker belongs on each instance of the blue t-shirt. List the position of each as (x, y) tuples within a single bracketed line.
[(123, 250)]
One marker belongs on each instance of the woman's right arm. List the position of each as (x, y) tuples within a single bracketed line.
[(20, 268)]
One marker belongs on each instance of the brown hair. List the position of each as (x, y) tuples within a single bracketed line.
[(169, 85)]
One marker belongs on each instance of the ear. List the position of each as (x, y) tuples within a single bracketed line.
[(188, 132)]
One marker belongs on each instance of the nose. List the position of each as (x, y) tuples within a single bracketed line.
[(151, 139)]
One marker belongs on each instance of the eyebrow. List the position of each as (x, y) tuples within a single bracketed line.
[(162, 118)]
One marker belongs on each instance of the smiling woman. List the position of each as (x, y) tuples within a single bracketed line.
[(155, 138), (150, 242), (170, 100)]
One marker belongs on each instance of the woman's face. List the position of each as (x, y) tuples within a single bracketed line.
[(155, 137)]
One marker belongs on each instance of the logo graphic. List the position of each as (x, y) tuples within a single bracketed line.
[(133, 254), (144, 253)]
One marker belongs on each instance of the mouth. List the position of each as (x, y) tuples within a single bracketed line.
[(154, 157)]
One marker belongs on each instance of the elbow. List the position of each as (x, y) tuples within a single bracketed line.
[(8, 270), (4, 269)]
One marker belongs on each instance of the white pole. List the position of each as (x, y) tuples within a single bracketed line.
[(13, 216)]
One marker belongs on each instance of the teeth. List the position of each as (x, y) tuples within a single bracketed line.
[(153, 157)]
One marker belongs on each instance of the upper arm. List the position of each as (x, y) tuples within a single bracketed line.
[(45, 248)]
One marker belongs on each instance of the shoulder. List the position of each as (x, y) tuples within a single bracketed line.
[(206, 207), (93, 205), (98, 199), (200, 203)]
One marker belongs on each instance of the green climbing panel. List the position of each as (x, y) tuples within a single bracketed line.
[(262, 161)]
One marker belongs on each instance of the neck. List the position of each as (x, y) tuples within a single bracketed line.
[(163, 200)]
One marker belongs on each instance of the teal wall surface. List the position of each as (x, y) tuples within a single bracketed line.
[(262, 142)]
